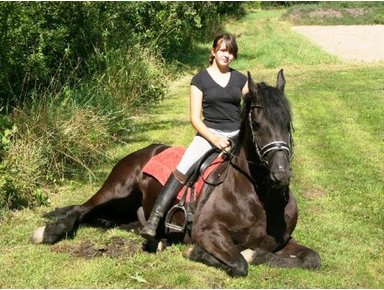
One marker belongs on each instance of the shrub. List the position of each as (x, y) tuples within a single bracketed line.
[(39, 40)]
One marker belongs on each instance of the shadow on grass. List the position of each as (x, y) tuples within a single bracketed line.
[(194, 59), (141, 129)]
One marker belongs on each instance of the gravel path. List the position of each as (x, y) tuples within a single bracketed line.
[(358, 43)]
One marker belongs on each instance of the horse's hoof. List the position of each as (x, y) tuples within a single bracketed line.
[(161, 246), (38, 235), (188, 251), (248, 255)]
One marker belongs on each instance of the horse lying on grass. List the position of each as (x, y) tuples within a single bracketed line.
[(245, 213)]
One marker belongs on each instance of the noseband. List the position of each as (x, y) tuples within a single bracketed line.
[(271, 146)]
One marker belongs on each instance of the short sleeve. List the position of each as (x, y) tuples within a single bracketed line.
[(241, 78), (197, 81)]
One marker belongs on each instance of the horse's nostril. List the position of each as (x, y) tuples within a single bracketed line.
[(281, 176)]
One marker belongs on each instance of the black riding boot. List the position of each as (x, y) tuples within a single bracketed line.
[(164, 200)]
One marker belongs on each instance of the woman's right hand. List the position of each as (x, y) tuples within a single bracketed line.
[(222, 143)]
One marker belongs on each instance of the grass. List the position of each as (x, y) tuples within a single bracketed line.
[(338, 180)]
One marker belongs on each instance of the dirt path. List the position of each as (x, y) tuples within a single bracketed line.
[(358, 43)]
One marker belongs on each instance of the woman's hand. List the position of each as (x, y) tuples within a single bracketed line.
[(222, 143)]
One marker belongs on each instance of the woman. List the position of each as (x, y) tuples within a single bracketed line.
[(216, 94)]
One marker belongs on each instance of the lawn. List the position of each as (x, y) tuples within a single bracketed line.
[(338, 173)]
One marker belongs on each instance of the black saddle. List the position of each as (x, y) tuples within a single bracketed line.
[(193, 175)]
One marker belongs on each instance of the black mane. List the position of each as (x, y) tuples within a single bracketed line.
[(274, 103)]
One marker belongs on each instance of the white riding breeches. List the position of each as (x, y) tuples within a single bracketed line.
[(198, 148)]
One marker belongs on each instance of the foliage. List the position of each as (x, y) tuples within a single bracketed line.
[(35, 38), (41, 40), (46, 143)]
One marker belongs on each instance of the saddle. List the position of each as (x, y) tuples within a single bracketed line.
[(161, 167)]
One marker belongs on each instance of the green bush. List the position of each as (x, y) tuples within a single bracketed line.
[(35, 38), (41, 40), (134, 78)]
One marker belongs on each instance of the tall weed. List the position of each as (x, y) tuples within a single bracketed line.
[(47, 144), (67, 130), (22, 173)]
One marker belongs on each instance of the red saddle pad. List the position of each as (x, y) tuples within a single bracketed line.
[(162, 165)]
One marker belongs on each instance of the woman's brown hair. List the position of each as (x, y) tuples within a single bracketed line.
[(230, 43)]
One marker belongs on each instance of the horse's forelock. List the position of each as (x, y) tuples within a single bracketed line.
[(275, 104)]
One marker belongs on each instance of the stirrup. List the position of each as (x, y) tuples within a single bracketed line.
[(169, 216)]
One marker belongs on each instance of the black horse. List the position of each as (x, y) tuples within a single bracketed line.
[(245, 214)]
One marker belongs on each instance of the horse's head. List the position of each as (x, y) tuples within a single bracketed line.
[(269, 119)]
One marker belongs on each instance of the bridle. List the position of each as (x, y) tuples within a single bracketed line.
[(277, 145)]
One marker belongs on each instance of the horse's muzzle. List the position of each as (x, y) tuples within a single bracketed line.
[(280, 170), (281, 177)]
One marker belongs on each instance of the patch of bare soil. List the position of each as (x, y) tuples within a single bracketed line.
[(328, 13), (314, 193), (357, 43), (324, 13), (334, 13), (115, 247)]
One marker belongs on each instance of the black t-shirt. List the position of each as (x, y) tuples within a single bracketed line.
[(221, 105)]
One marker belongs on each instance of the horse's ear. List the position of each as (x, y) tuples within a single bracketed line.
[(251, 84), (280, 81)]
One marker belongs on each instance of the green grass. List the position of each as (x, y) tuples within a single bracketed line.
[(338, 180), (266, 42)]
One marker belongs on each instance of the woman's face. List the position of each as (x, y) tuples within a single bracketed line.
[(222, 56)]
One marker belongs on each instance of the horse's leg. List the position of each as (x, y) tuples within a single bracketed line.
[(198, 254), (216, 248), (234, 264), (66, 226), (292, 255), (121, 183), (296, 255)]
